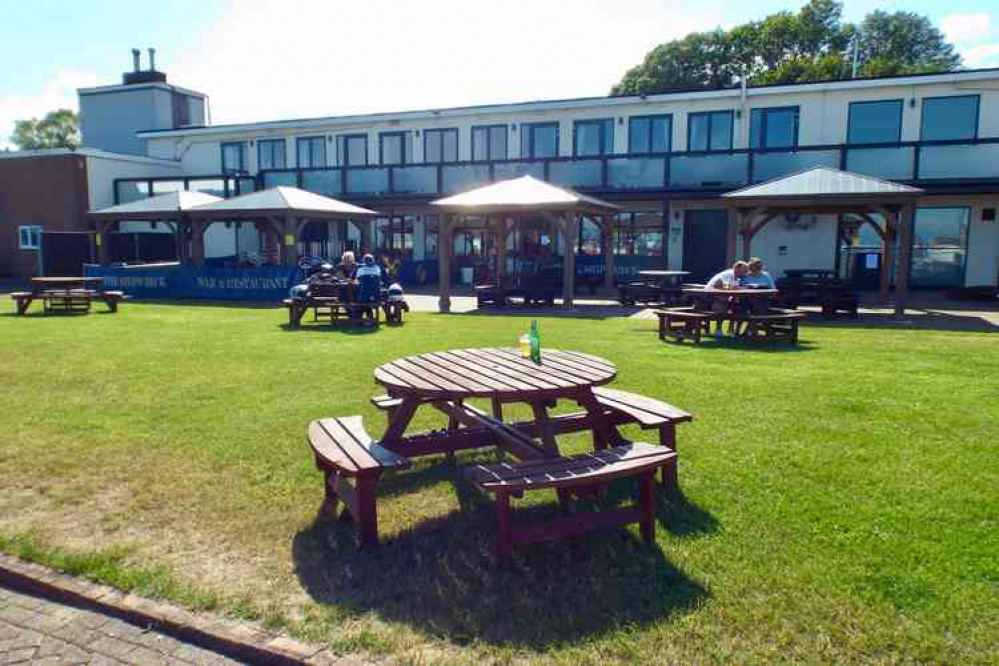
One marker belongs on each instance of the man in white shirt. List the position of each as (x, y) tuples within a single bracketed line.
[(729, 276)]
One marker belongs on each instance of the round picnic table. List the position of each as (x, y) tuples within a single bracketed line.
[(446, 379)]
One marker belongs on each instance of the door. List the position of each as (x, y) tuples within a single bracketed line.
[(704, 243), (64, 253)]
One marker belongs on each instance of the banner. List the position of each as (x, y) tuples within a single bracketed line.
[(176, 281)]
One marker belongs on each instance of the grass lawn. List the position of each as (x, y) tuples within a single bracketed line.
[(840, 499)]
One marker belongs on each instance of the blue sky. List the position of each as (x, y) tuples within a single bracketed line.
[(265, 59)]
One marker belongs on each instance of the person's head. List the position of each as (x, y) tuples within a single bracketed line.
[(755, 266), (348, 257), (369, 259), (740, 268)]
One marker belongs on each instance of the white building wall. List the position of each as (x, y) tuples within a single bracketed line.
[(104, 168), (783, 245)]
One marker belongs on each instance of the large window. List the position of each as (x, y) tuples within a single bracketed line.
[(538, 140), (489, 142), (774, 128), (949, 118), (940, 247), (711, 130), (875, 122), (30, 236), (430, 236), (440, 145), (233, 157), (352, 149), (639, 234), (593, 137), (270, 154), (311, 151), (650, 134), (395, 148)]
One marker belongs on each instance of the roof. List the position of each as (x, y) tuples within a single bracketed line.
[(278, 201), (161, 206), (826, 183), (86, 152), (524, 194), (549, 104)]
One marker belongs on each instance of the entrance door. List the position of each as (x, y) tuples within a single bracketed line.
[(704, 243), (64, 253)]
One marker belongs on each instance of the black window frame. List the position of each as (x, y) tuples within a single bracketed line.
[(489, 142), (342, 141), (708, 149), (763, 111), (312, 139), (901, 120), (529, 129), (271, 143), (441, 131), (407, 146), (650, 118), (604, 150), (242, 157), (978, 114)]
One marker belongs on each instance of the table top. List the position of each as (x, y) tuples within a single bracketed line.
[(743, 291), (64, 280), (499, 372), (657, 273)]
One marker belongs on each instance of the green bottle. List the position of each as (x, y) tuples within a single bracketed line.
[(535, 338)]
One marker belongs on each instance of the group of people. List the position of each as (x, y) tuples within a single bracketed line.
[(367, 275), (743, 274)]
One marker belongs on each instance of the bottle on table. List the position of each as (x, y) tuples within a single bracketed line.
[(535, 338)]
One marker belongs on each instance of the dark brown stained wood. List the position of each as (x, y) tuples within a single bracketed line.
[(439, 373), (520, 374), (507, 436), (554, 360), (395, 377), (344, 444), (496, 380), (595, 361), (549, 365), (647, 411)]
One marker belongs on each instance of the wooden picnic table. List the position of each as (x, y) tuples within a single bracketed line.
[(39, 284), (66, 294)]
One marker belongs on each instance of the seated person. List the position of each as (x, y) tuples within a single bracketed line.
[(347, 267), (729, 277), (757, 277), (369, 282)]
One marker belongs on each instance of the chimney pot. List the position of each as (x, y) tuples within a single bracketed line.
[(152, 59), (135, 60)]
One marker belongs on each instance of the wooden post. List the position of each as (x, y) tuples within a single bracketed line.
[(734, 218), (198, 241), (608, 247), (501, 252), (103, 252), (906, 221), (289, 241), (746, 229), (444, 247), (887, 254), (570, 229)]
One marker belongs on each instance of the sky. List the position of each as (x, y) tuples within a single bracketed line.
[(274, 59)]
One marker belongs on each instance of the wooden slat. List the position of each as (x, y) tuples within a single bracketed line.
[(552, 363), (591, 360), (487, 376), (647, 411), (390, 375), (345, 444), (523, 374), (549, 373), (508, 437), (444, 377)]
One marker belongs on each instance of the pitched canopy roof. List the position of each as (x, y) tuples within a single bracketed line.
[(524, 194), (824, 183), (281, 201), (167, 206)]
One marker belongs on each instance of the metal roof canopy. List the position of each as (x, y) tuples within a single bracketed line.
[(169, 206), (523, 195), (280, 202)]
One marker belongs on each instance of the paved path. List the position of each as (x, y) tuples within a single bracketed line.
[(37, 631)]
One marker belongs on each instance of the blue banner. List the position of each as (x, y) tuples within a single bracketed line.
[(177, 281)]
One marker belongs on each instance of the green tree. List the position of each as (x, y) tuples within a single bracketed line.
[(58, 129), (812, 45)]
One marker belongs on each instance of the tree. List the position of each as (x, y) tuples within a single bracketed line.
[(812, 45), (58, 129)]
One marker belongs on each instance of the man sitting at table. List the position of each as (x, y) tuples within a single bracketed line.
[(730, 276), (369, 284), (757, 277)]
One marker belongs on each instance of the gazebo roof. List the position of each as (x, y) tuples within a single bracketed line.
[(824, 183), (523, 195), (167, 206), (281, 201)]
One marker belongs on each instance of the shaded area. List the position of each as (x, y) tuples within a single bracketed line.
[(442, 578)]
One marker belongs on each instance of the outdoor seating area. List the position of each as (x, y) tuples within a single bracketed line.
[(346, 301), (66, 295), (818, 287)]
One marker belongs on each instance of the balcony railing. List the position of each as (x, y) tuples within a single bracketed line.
[(930, 162)]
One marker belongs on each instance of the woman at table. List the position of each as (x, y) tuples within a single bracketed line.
[(757, 277)]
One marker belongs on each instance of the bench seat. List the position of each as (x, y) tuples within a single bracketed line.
[(583, 472), (352, 463), (684, 322), (774, 325)]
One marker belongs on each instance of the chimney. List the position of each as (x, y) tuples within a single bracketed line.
[(152, 59), (135, 60), (138, 75)]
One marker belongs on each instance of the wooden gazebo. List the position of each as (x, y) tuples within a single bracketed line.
[(171, 209), (279, 213), (823, 190), (504, 203)]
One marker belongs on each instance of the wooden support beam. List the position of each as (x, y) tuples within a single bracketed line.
[(444, 248), (905, 231), (570, 230), (289, 241), (731, 232), (607, 226), (887, 255), (198, 228)]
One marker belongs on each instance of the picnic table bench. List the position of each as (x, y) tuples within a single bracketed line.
[(69, 294), (327, 303)]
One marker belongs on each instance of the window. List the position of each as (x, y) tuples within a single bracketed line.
[(395, 148), (639, 234), (949, 118), (489, 142), (352, 149), (711, 130), (538, 140), (311, 151), (233, 157), (440, 145), (30, 236), (270, 154), (650, 134), (875, 122), (940, 247), (430, 236), (774, 128), (593, 137)]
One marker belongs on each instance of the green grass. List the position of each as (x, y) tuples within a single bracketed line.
[(839, 504)]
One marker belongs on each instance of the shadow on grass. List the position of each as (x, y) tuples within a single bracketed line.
[(442, 578), (326, 327), (737, 344)]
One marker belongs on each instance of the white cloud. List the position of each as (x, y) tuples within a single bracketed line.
[(964, 29), (272, 60), (57, 93), (983, 55)]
